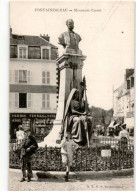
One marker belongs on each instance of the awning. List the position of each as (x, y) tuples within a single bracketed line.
[(129, 122)]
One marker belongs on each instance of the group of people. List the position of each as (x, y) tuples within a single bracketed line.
[(74, 133), (112, 131), (28, 145), (118, 131)]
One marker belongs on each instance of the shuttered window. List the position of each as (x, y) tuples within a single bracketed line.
[(29, 100), (128, 84), (16, 76), (16, 100), (10, 76), (29, 77), (132, 81), (46, 101), (21, 76), (45, 77)]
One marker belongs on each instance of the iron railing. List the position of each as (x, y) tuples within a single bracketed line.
[(85, 159)]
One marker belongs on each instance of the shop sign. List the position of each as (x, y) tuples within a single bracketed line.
[(106, 153), (16, 115), (16, 120), (42, 115), (32, 115)]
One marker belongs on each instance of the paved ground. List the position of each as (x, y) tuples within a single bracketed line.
[(114, 184)]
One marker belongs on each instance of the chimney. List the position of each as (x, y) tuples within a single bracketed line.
[(10, 32), (45, 37)]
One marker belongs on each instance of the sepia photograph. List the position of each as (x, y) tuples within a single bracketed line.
[(71, 95)]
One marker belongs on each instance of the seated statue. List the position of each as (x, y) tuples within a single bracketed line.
[(76, 122)]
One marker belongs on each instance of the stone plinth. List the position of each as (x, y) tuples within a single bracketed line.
[(70, 67)]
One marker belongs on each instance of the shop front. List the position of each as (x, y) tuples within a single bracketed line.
[(39, 124)]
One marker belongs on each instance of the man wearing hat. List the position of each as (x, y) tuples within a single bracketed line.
[(29, 146)]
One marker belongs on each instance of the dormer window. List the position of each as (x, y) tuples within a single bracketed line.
[(22, 52), (45, 53)]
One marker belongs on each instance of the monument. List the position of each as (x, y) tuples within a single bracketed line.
[(70, 40), (70, 66)]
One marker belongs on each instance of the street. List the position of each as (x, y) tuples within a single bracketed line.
[(74, 184)]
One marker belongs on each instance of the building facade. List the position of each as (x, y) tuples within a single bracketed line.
[(123, 100), (33, 83)]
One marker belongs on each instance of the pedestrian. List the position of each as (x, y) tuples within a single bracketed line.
[(28, 148), (20, 134), (124, 132), (124, 136), (68, 146)]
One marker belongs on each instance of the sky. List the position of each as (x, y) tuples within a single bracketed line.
[(107, 33)]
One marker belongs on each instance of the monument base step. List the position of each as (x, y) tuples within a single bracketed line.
[(42, 176)]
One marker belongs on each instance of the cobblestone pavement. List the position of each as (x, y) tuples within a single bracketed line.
[(114, 184)]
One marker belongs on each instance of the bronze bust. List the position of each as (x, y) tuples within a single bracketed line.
[(69, 39)]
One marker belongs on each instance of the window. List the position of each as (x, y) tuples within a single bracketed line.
[(23, 52), (22, 100), (28, 100), (16, 76), (29, 76), (10, 76), (128, 84), (46, 101), (45, 53), (45, 77), (16, 100), (22, 76), (132, 81)]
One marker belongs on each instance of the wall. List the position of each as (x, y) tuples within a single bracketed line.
[(36, 67), (36, 104), (35, 87)]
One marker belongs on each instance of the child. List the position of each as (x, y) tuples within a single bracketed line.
[(68, 146), (20, 134)]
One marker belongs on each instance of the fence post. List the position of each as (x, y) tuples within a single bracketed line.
[(119, 155), (96, 169), (81, 158), (76, 158), (86, 153)]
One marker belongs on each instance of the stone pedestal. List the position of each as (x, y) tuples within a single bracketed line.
[(68, 63)]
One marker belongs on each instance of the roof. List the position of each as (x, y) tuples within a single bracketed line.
[(122, 87), (129, 72), (30, 40)]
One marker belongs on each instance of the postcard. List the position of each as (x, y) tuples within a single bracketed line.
[(71, 96)]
